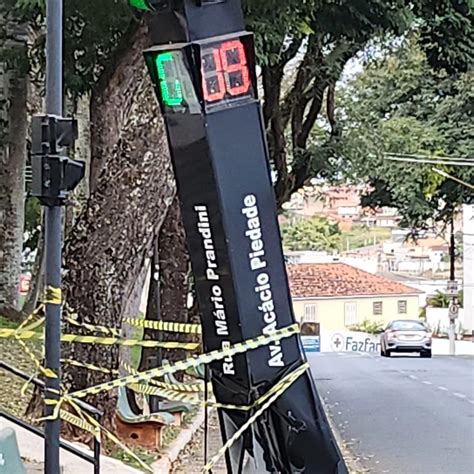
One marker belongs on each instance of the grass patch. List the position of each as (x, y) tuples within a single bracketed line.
[(7, 324), (361, 236)]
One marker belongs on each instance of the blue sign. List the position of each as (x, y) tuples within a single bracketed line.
[(311, 343)]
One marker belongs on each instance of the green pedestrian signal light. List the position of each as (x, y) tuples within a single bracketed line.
[(139, 4), (150, 5), (170, 85)]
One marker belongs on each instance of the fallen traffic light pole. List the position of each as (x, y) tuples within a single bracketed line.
[(203, 69)]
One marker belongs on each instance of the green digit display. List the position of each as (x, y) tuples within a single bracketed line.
[(170, 85), (139, 4)]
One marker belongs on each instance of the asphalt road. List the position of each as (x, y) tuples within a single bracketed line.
[(401, 415)]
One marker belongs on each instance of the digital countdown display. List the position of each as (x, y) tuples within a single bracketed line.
[(225, 78)]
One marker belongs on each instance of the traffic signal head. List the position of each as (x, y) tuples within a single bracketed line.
[(54, 175)]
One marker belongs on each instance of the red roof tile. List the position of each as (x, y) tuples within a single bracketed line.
[(338, 279)]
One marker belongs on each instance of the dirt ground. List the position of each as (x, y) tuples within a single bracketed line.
[(191, 460)]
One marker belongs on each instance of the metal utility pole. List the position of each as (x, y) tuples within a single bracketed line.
[(53, 234), (54, 177), (452, 292)]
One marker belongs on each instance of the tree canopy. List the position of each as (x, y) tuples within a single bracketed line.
[(400, 105), (317, 234)]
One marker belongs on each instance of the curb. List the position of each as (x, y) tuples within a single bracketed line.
[(353, 465), (164, 464)]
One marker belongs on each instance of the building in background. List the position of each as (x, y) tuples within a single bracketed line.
[(337, 296), (468, 263)]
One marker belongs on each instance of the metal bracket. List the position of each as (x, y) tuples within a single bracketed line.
[(54, 175), (51, 133)]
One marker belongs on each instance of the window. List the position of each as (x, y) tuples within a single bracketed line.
[(409, 326), (377, 308), (310, 313), (402, 306), (350, 314)]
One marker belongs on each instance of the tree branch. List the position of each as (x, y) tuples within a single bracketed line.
[(303, 79)]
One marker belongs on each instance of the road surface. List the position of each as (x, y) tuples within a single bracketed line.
[(403, 414)]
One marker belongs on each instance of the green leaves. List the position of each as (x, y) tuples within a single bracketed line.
[(400, 105), (317, 234)]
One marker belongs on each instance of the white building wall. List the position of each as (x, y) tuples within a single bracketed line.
[(468, 244)]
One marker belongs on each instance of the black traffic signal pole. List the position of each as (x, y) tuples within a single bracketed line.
[(53, 235), (54, 176), (203, 69)]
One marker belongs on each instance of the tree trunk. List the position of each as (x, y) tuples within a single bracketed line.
[(174, 268), (113, 97), (112, 237), (13, 131), (168, 294)]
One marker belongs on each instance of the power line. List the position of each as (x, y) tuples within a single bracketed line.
[(430, 161), (431, 157), (446, 175)]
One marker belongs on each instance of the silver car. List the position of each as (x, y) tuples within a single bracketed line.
[(406, 336)]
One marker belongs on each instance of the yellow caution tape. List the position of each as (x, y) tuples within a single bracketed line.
[(165, 326), (185, 387), (168, 394), (195, 361), (91, 327), (90, 367), (271, 397), (17, 335), (80, 423), (24, 324), (188, 346), (108, 434), (194, 400), (35, 325), (53, 295)]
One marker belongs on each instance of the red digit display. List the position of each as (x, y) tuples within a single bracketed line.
[(234, 63), (225, 71), (213, 76)]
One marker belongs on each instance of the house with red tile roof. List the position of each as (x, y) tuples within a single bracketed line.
[(338, 296)]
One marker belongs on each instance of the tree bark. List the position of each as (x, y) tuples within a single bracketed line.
[(169, 287), (13, 132), (106, 252), (174, 270), (110, 106)]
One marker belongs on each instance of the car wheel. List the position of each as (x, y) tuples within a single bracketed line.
[(426, 354), (388, 353), (382, 352)]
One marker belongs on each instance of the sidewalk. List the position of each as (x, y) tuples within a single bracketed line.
[(191, 460), (32, 448)]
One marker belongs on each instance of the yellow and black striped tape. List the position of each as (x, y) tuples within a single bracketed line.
[(53, 295), (165, 393), (92, 367), (17, 335), (270, 397), (165, 326), (73, 338), (108, 434), (194, 400), (91, 327), (80, 423), (185, 387), (213, 356)]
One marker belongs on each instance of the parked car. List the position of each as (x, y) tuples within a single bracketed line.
[(406, 336)]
